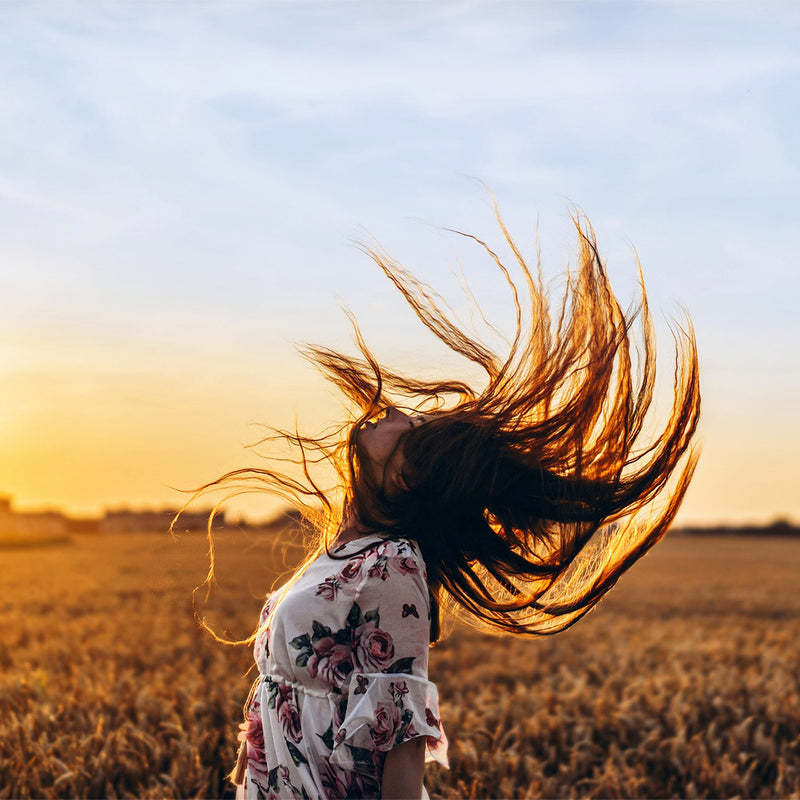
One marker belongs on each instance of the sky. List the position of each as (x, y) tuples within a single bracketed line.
[(182, 187)]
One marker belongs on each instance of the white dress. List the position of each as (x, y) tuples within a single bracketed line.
[(342, 655)]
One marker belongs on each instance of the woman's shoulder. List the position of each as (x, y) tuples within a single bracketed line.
[(378, 558), (377, 568), (404, 549)]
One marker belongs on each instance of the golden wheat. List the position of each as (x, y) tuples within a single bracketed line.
[(684, 683)]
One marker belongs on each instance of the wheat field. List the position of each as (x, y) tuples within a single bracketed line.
[(685, 682)]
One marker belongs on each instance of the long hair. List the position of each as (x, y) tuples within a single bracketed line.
[(531, 495)]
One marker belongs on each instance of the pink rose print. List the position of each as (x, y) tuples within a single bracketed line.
[(378, 569), (328, 588), (252, 732), (387, 721), (331, 661), (431, 720), (332, 780), (374, 648), (351, 571), (407, 565), (288, 714), (398, 689)]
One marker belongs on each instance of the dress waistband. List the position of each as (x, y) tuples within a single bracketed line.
[(299, 687)]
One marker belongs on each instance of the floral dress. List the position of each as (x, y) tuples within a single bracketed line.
[(342, 655)]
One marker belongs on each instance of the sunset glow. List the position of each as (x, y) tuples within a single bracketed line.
[(180, 187)]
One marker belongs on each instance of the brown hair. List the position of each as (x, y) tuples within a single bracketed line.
[(531, 496)]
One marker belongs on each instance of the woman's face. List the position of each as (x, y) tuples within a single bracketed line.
[(378, 446)]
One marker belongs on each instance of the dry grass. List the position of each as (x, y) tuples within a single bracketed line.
[(29, 539), (685, 682)]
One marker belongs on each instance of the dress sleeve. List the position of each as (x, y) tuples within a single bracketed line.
[(390, 699)]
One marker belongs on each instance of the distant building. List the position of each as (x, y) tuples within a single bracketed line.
[(127, 521), (14, 524), (24, 523)]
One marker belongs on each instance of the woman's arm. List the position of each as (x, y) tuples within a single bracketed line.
[(403, 769)]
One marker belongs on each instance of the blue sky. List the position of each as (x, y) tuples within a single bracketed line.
[(181, 183)]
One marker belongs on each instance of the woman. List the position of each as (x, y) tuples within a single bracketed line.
[(515, 506)]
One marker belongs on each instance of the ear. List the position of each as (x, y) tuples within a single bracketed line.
[(395, 484)]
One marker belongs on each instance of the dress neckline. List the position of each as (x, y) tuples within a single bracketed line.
[(359, 543)]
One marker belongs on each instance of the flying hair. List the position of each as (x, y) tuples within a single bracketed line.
[(531, 494)]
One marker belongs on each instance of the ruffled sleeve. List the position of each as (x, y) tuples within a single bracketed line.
[(389, 697)]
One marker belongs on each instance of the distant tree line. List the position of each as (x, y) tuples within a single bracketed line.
[(780, 527)]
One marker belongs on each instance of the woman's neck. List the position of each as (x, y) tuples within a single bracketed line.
[(351, 528)]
